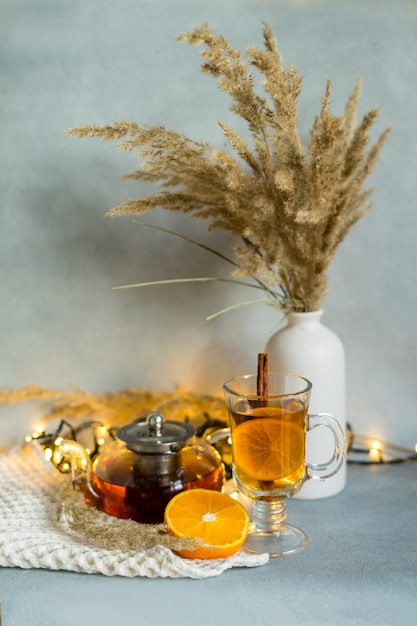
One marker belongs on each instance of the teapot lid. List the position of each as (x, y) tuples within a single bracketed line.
[(154, 434)]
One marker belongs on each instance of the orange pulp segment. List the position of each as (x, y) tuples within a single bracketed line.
[(216, 518), (268, 449)]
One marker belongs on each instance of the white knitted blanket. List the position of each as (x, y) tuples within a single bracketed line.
[(32, 536)]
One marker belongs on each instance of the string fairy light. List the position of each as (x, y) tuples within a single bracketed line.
[(95, 431), (361, 449), (365, 449)]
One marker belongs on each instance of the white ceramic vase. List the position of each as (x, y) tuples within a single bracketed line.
[(306, 347)]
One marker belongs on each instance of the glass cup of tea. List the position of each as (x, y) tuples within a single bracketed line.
[(268, 434)]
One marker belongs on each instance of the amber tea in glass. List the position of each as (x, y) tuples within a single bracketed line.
[(268, 448)]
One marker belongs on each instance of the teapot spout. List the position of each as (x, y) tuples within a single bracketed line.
[(80, 470)]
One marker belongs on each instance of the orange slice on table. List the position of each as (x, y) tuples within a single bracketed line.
[(217, 519), (268, 449)]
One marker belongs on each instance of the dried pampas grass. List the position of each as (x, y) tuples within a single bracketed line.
[(289, 204)]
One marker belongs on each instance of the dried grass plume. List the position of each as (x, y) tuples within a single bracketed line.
[(290, 205)]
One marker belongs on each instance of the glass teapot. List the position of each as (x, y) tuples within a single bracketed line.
[(149, 462)]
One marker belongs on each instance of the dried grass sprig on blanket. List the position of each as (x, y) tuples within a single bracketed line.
[(111, 533), (290, 205)]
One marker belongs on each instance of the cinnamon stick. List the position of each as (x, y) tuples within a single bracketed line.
[(262, 391), (262, 378)]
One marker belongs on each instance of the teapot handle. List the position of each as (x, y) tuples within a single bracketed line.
[(218, 435), (80, 469)]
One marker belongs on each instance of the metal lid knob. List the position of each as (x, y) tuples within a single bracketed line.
[(155, 421), (155, 435)]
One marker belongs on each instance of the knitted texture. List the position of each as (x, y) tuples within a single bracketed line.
[(32, 535)]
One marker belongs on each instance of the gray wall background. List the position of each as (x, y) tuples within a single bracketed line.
[(71, 63)]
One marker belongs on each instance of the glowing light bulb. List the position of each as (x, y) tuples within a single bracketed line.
[(375, 451), (101, 434), (48, 454), (58, 441), (57, 457)]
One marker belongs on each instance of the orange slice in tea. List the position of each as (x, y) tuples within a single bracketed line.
[(216, 518), (268, 449)]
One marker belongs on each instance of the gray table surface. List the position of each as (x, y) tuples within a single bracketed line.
[(359, 568)]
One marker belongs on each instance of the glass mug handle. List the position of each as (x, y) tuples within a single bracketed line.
[(321, 471)]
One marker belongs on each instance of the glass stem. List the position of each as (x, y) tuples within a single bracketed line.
[(269, 516)]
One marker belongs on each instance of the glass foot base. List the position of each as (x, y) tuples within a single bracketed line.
[(290, 540)]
